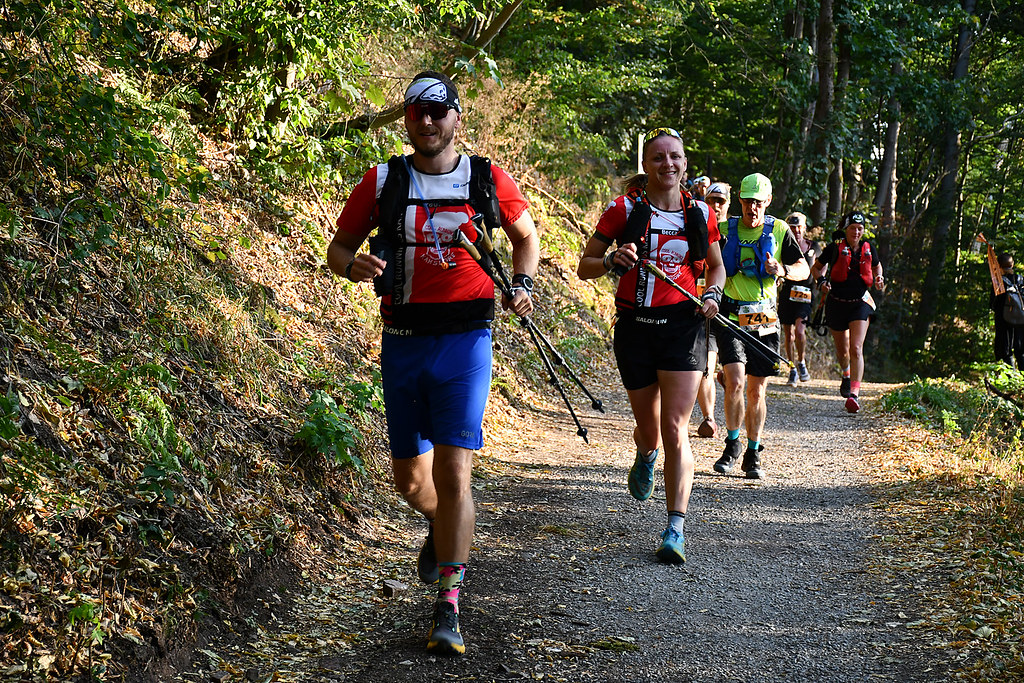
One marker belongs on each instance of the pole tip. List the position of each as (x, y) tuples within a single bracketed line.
[(582, 432)]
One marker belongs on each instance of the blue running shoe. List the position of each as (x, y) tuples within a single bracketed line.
[(673, 547), (641, 476)]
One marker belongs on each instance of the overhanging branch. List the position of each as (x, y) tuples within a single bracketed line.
[(393, 113)]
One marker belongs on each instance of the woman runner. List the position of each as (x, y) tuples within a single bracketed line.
[(853, 268), (660, 346)]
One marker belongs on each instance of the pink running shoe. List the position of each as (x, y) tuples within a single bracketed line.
[(851, 404)]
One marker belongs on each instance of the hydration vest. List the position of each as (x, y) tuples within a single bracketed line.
[(841, 268), (394, 199), (763, 248), (695, 228)]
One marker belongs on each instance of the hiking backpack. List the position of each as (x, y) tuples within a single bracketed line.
[(1013, 308)]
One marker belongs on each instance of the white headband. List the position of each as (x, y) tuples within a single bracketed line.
[(432, 90)]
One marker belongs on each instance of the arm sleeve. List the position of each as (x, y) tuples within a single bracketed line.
[(790, 249), (828, 254)]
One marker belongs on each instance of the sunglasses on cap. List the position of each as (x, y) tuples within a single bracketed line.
[(653, 133), (435, 110)]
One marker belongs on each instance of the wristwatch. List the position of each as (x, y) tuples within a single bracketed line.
[(524, 282)]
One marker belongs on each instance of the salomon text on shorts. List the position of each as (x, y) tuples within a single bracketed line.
[(655, 340)]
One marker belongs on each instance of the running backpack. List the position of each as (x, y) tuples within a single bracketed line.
[(1013, 308), (763, 248), (639, 219), (394, 197), (394, 200)]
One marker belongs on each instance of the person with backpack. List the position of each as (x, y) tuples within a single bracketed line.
[(853, 269), (717, 197), (758, 249), (1009, 315), (437, 304), (660, 337), (795, 303)]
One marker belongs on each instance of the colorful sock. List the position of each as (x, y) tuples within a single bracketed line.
[(846, 371), (676, 519), (752, 445), (450, 582), (855, 388), (732, 434)]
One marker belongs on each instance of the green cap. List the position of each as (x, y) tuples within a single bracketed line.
[(756, 186)]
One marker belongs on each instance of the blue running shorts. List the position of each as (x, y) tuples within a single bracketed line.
[(435, 390)]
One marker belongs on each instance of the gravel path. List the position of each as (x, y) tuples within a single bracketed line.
[(563, 585)]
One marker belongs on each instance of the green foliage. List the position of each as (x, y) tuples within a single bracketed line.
[(329, 431), (9, 414), (964, 409)]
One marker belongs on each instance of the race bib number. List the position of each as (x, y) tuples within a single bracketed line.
[(801, 295), (869, 300), (759, 316)]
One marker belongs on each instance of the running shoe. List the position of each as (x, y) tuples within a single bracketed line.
[(673, 547), (707, 429), (804, 375), (426, 563), (844, 387), (792, 377), (445, 638), (729, 456), (641, 476), (752, 463), (852, 406)]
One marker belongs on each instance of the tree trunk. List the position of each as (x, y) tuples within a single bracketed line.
[(837, 178), (823, 108), (945, 205), (802, 70), (885, 197)]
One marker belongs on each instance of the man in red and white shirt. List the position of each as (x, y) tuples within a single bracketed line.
[(437, 304)]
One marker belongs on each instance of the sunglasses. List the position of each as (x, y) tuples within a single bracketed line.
[(435, 110), (656, 132)]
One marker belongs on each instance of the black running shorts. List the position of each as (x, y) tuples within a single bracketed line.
[(839, 314), (649, 342), (732, 349), (791, 311)]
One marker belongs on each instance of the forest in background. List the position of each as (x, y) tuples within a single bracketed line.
[(183, 379)]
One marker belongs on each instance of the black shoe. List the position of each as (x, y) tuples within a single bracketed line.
[(445, 638), (752, 463), (844, 387), (729, 456), (426, 563)]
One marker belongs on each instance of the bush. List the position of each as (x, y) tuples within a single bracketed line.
[(991, 407)]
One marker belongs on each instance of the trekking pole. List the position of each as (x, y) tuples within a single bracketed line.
[(488, 246), (503, 285), (755, 344), (818, 323)]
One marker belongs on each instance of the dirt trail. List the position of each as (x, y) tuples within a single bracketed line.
[(563, 585)]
